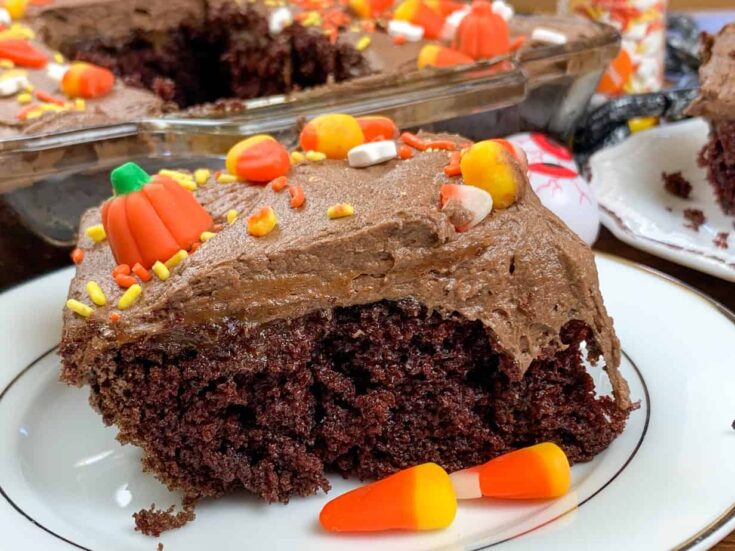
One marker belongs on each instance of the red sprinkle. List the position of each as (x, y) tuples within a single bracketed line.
[(124, 280), (399, 40), (297, 196), (141, 272), (414, 141), (77, 255), (114, 317), (121, 269), (279, 183), (405, 152), (48, 98)]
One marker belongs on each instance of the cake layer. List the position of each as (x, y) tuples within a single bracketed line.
[(718, 157), (363, 391)]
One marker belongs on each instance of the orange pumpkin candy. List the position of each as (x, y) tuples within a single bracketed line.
[(150, 219), (482, 33)]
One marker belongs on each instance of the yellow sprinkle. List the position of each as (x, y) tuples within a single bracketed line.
[(6, 64), (80, 104), (340, 210), (29, 87), (34, 114), (363, 43), (186, 183), (315, 156), (162, 273), (312, 19), (79, 308), (59, 58), (95, 293), (172, 173), (297, 157), (129, 297), (206, 236), (201, 175), (231, 216), (24, 98), (176, 259), (96, 233), (226, 178)]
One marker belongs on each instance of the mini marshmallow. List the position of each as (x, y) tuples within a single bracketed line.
[(451, 24), (13, 83), (56, 71), (412, 33), (5, 19), (373, 153), (279, 19), (503, 9), (541, 34)]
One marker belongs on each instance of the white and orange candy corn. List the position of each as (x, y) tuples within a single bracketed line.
[(432, 55), (476, 203), (85, 80), (418, 498), (489, 165), (537, 472), (333, 134)]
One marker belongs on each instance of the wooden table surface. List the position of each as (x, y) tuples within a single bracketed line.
[(721, 290)]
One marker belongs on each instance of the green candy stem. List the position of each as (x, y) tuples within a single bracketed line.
[(128, 178)]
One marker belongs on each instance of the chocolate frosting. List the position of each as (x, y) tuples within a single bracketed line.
[(716, 99), (521, 272)]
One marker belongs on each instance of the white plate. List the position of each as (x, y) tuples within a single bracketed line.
[(668, 481), (627, 181)]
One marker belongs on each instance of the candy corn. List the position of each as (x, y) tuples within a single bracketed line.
[(537, 472), (432, 55), (366, 9), (490, 166), (516, 151), (375, 128), (84, 80), (333, 134), (258, 159), (22, 53), (422, 13), (418, 498), (16, 8), (467, 205)]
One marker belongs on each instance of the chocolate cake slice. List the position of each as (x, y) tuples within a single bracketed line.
[(358, 345), (716, 103)]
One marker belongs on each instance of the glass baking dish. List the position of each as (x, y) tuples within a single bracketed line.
[(48, 180)]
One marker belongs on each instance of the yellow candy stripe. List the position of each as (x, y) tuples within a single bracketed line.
[(96, 233), (79, 308), (129, 297), (161, 271), (95, 293), (435, 503)]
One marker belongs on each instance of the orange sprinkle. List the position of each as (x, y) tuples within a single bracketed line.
[(194, 246), (114, 317), (121, 269), (77, 255), (414, 141), (399, 40), (405, 152), (279, 183), (141, 272), (48, 98), (124, 281), (297, 196), (453, 168), (368, 25), (442, 144)]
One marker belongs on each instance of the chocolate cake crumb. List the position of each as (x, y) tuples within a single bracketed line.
[(695, 217), (669, 209), (153, 521), (721, 240), (159, 547), (733, 424), (676, 184)]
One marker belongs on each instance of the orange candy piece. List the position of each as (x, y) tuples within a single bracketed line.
[(617, 74), (333, 134), (258, 159), (417, 498), (85, 80), (426, 14), (376, 128), (432, 55), (22, 53), (482, 33)]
